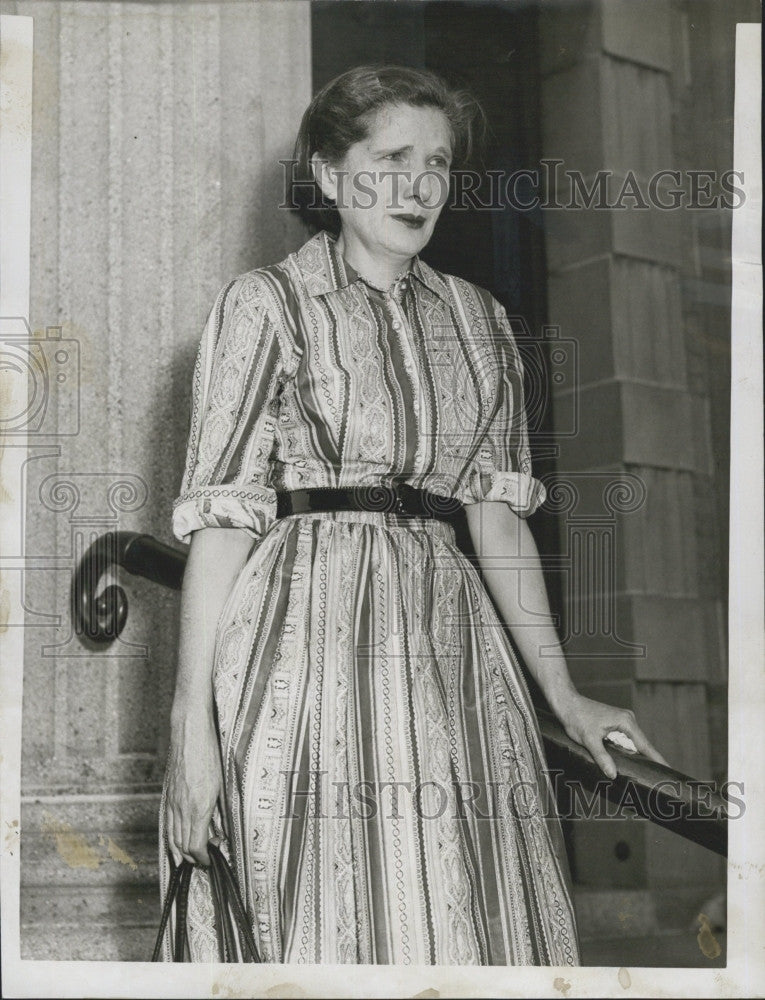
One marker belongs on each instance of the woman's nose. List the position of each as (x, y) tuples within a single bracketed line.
[(428, 187), (405, 183)]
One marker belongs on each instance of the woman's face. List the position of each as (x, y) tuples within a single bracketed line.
[(391, 186)]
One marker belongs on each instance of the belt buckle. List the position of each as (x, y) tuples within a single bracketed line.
[(400, 506)]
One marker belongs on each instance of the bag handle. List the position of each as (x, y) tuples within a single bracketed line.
[(228, 893), (178, 887), (226, 901)]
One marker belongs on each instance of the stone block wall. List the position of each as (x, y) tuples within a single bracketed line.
[(629, 89)]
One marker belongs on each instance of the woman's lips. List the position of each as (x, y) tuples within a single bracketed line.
[(411, 221)]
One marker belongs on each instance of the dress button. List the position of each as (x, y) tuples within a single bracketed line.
[(396, 325)]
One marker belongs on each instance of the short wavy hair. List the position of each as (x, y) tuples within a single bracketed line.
[(342, 112)]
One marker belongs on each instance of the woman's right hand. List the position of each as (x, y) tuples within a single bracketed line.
[(194, 783)]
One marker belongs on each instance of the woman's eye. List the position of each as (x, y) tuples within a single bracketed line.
[(393, 156), (441, 162)]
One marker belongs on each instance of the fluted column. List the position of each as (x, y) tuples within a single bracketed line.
[(157, 134)]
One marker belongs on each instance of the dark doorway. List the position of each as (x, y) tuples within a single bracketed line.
[(493, 50)]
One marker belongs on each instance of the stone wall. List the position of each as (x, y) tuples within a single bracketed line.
[(157, 134), (644, 292)]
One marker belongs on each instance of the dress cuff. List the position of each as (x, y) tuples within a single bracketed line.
[(521, 490), (253, 509)]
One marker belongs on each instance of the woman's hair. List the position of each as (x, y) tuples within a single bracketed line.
[(342, 113)]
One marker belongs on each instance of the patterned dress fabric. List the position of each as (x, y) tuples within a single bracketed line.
[(386, 794)]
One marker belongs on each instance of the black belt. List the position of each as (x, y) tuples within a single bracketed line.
[(402, 499)]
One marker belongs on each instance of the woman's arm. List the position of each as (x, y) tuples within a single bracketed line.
[(509, 560), (215, 559)]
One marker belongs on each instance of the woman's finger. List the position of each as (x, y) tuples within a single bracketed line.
[(178, 830), (183, 833), (601, 757), (200, 835), (638, 737), (198, 846), (172, 844)]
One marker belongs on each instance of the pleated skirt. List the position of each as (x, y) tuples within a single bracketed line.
[(387, 799)]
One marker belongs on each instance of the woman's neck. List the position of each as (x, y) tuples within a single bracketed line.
[(379, 271)]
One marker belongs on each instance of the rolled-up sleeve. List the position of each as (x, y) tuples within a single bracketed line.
[(234, 404), (502, 468)]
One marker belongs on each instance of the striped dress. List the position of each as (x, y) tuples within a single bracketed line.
[(386, 800)]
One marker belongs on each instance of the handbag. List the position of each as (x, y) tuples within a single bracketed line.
[(236, 942)]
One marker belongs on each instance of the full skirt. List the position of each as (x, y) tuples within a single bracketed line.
[(386, 794)]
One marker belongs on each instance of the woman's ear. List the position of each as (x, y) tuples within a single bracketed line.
[(324, 176)]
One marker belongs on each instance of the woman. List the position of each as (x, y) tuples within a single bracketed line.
[(349, 712)]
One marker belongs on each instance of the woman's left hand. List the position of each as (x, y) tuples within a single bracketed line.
[(588, 722)]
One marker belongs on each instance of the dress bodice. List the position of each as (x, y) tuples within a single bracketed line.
[(306, 376)]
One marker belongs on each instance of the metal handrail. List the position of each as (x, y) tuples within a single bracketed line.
[(101, 617), (642, 787)]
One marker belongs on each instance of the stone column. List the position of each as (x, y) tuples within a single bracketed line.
[(645, 616), (157, 134)]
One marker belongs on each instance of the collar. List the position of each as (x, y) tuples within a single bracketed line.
[(324, 270)]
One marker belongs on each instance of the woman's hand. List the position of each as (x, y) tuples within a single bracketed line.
[(588, 722), (193, 787)]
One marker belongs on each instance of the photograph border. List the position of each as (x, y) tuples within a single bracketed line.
[(744, 974)]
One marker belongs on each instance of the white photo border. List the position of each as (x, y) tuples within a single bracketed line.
[(744, 974)]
